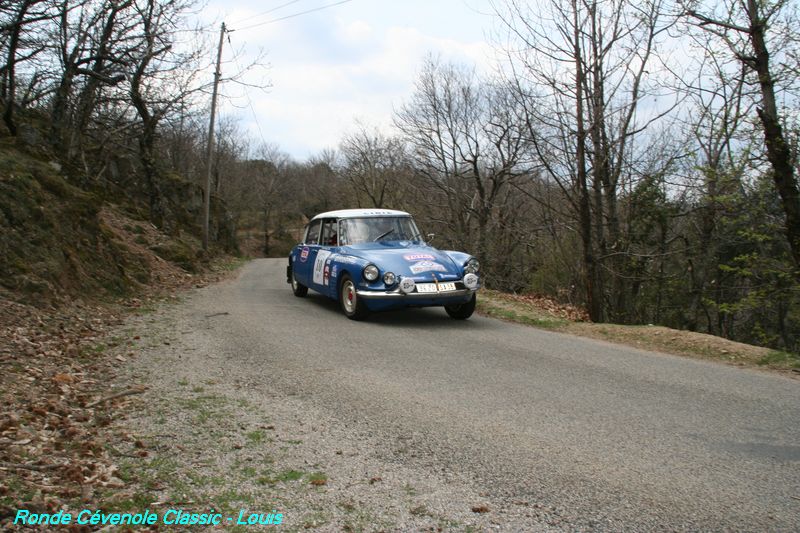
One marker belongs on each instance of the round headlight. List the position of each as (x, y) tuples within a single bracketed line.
[(407, 285), (371, 273), (471, 281), (472, 266), (389, 278)]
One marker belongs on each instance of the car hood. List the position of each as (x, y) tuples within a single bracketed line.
[(408, 260)]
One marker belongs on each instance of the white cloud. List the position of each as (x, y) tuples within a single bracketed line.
[(356, 31), (329, 71)]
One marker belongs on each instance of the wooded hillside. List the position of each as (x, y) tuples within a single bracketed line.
[(638, 159), (90, 94)]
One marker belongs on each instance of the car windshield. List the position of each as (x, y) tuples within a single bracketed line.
[(373, 229)]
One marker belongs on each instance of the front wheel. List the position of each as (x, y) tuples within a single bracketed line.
[(353, 307), (461, 311), (298, 288)]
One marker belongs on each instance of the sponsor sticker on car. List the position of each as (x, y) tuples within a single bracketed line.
[(347, 259), (319, 266), (419, 257), (304, 254), (427, 266)]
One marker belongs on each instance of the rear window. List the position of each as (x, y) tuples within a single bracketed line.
[(329, 237), (312, 234)]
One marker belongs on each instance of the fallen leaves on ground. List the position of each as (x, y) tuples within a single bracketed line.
[(52, 446), (551, 306), (56, 447)]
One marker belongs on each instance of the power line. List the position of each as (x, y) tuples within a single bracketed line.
[(229, 30), (267, 12), (250, 103), (320, 8)]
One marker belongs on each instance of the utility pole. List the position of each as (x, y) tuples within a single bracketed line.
[(210, 144)]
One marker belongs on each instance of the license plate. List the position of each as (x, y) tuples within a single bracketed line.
[(431, 287)]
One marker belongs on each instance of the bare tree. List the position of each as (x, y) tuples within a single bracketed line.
[(373, 165), (84, 49), (16, 24), (91, 50), (467, 146), (720, 141), (580, 69), (750, 29), (162, 76), (231, 146), (269, 184)]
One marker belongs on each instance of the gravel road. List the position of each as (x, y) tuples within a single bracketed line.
[(417, 418)]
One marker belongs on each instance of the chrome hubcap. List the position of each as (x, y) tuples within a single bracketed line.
[(349, 297)]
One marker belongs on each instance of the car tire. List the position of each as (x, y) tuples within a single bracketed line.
[(352, 306), (461, 311), (298, 288)]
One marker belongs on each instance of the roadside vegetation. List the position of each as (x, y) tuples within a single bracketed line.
[(546, 313), (58, 360), (643, 185)]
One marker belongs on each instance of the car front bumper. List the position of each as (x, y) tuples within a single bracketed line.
[(397, 298), (397, 295), (377, 300)]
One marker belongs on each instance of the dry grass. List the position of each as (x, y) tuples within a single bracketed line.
[(548, 314)]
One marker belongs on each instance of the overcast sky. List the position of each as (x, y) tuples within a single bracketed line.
[(330, 68)]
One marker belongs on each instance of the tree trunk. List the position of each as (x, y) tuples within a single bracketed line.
[(10, 87), (147, 154), (87, 98), (58, 117), (148, 159), (778, 150), (266, 231), (593, 300)]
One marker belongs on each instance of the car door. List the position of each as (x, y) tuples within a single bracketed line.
[(328, 242), (304, 262)]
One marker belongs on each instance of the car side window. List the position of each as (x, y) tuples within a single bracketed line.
[(329, 236), (343, 233), (312, 236)]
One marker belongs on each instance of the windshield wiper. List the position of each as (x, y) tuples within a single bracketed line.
[(382, 235)]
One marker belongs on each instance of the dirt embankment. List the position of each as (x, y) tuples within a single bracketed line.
[(71, 269), (56, 365), (546, 313)]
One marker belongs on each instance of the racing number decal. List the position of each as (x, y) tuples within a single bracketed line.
[(319, 266)]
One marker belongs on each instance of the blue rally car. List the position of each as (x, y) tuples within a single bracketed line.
[(376, 259)]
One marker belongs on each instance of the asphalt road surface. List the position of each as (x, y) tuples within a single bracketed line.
[(615, 438)]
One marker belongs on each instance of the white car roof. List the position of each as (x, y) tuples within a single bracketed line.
[(362, 213)]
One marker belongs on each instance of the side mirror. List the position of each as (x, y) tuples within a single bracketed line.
[(430, 237)]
